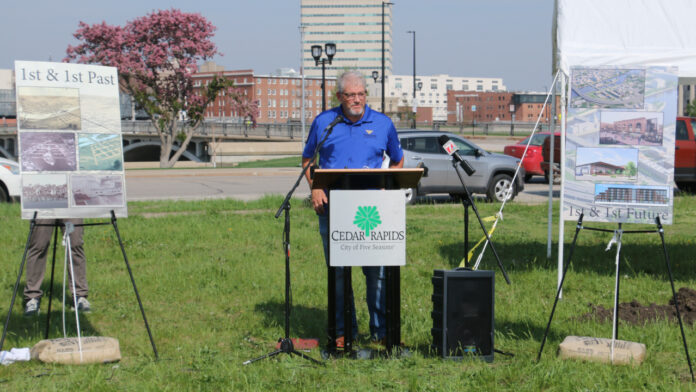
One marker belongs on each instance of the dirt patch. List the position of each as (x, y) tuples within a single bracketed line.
[(636, 313)]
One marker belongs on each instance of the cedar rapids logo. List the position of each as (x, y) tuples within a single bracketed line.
[(367, 219)]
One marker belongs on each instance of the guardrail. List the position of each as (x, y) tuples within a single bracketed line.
[(294, 131)]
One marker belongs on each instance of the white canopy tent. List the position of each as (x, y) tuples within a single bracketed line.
[(620, 33)]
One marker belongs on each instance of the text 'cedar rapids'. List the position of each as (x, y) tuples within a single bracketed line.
[(386, 235)]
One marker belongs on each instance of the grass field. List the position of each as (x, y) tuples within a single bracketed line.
[(211, 277)]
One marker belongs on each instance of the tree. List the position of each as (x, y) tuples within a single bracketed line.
[(691, 109), (156, 56), (630, 170)]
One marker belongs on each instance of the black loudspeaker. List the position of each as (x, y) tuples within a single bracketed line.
[(463, 313)]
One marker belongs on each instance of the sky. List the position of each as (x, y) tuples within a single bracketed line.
[(510, 39)]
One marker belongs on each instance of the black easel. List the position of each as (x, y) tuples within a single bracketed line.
[(286, 345), (56, 225), (660, 231), (469, 201)]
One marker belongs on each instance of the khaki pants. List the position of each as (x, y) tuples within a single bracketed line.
[(38, 250)]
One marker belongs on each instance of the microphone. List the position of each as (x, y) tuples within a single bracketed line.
[(452, 149), (336, 120)]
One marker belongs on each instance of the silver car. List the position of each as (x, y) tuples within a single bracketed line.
[(493, 172)]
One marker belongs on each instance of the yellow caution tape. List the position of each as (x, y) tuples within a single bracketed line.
[(471, 252)]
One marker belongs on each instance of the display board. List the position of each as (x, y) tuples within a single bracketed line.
[(70, 144), (620, 129), (367, 228)]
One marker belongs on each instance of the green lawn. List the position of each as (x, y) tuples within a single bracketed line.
[(211, 277)]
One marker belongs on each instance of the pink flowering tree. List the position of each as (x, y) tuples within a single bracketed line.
[(156, 56)]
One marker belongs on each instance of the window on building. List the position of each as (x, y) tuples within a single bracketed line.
[(449, 86), (433, 86), (479, 88)]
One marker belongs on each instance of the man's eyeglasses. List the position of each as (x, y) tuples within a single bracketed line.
[(353, 95)]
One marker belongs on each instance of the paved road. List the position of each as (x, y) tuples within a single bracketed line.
[(247, 184)]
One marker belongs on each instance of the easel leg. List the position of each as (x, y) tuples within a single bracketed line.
[(130, 273), (50, 288), (674, 295), (560, 286), (19, 277), (615, 332)]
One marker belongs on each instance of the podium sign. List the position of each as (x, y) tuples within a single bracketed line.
[(367, 228)]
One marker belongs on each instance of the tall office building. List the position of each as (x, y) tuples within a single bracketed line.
[(355, 26)]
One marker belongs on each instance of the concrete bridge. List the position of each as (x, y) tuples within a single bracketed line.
[(220, 139)]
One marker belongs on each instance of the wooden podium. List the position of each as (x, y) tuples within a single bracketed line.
[(364, 179)]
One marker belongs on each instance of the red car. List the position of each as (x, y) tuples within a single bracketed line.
[(532, 161)]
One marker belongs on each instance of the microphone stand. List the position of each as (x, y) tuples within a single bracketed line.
[(478, 216), (286, 345)]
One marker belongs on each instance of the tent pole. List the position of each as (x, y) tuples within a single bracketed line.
[(561, 226)]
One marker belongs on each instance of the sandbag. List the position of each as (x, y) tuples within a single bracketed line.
[(95, 349), (599, 350)]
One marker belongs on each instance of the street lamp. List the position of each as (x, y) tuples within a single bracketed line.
[(330, 49), (414, 77), (512, 119), (375, 75), (383, 4)]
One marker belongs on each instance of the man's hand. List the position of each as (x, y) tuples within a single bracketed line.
[(318, 200)]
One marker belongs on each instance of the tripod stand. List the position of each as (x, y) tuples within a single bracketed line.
[(33, 224), (618, 233), (286, 345), (469, 201)]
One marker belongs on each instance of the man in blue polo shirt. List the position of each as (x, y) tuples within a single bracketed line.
[(357, 142)]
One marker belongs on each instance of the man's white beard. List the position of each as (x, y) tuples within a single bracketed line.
[(354, 113)]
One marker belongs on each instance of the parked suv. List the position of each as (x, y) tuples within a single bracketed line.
[(493, 174), (9, 180)]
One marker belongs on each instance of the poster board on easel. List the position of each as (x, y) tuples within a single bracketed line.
[(70, 143)]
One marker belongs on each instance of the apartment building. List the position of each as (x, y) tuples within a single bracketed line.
[(355, 26), (278, 95), (434, 90)]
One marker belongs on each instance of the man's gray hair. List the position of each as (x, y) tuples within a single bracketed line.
[(350, 75)]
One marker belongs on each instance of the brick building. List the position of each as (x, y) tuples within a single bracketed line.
[(467, 106), (278, 95)]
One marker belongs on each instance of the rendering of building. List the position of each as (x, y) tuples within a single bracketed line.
[(355, 26), (632, 195), (598, 168)]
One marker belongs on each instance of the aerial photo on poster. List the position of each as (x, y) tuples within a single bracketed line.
[(100, 151), (620, 134), (49, 108), (94, 190), (48, 151), (607, 88), (101, 113)]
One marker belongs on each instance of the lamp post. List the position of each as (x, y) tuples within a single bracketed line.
[(414, 77), (512, 119), (383, 4), (330, 49)]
